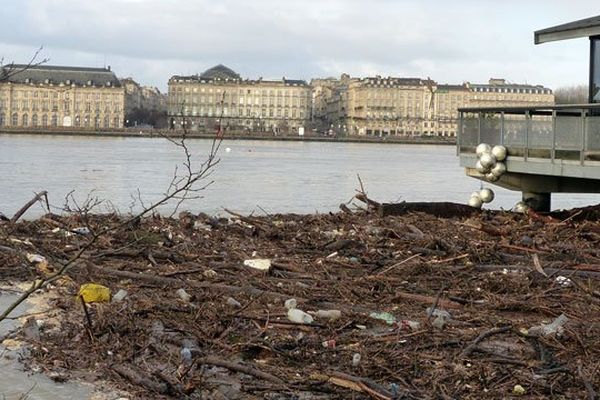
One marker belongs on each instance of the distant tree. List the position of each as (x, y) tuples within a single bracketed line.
[(577, 94)]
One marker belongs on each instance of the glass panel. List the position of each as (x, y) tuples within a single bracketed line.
[(490, 128), (568, 132), (540, 132), (515, 129), (593, 133), (470, 130)]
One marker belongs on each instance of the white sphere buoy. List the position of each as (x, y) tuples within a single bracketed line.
[(487, 160), (227, 149), (499, 152), (487, 195), (491, 177), (475, 201), (499, 169), (521, 207), (480, 168), (476, 194), (482, 149)]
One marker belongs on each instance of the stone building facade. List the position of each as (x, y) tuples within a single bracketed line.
[(142, 97), (382, 106), (221, 96), (59, 96)]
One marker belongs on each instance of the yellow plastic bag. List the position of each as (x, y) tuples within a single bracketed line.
[(94, 293)]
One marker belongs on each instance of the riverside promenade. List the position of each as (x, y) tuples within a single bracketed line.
[(149, 133)]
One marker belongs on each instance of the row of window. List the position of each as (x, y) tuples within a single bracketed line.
[(279, 113), (45, 105), (240, 92), (242, 100), (87, 121), (512, 90), (65, 94)]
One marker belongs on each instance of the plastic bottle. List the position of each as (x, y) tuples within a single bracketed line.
[(299, 316)]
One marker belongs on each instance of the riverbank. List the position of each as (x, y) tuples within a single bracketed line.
[(199, 319), (131, 132)]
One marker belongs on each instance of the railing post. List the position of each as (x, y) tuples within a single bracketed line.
[(553, 151), (527, 127), (479, 128), (459, 133), (502, 128), (583, 136)]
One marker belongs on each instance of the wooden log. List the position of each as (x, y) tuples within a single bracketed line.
[(439, 209), (140, 379)]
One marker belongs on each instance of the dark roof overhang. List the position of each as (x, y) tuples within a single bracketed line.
[(583, 28)]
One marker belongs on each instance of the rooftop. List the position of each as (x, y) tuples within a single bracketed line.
[(56, 74)]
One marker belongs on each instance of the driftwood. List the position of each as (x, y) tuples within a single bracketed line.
[(140, 379), (43, 194), (442, 209), (240, 368)]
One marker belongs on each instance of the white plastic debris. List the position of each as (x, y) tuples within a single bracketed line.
[(356, 359), (35, 258), (82, 230), (290, 304), (329, 314), (120, 296), (233, 302), (263, 264), (210, 273), (563, 281), (183, 295), (299, 316), (556, 327), (437, 313)]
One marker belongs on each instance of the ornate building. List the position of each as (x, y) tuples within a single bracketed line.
[(57, 96), (383, 106), (221, 96)]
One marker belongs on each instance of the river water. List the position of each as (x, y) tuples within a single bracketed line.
[(252, 176)]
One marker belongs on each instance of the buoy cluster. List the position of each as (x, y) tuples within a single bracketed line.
[(481, 196), (490, 161)]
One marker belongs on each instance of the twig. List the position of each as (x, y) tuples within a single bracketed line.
[(391, 267), (87, 317), (471, 347)]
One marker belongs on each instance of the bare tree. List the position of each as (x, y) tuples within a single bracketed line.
[(11, 69), (187, 181), (577, 94)]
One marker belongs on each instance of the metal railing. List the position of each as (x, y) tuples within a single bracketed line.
[(553, 132)]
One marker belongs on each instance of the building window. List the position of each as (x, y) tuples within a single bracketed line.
[(1, 119), (77, 121), (106, 122), (34, 120), (25, 120), (14, 120), (86, 121)]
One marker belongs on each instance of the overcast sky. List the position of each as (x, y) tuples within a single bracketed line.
[(449, 41)]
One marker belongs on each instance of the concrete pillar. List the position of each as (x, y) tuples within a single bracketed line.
[(537, 201)]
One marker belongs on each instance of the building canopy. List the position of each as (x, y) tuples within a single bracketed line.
[(583, 28)]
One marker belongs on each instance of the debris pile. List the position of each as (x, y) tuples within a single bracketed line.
[(336, 306)]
